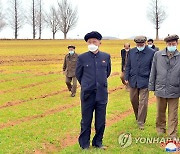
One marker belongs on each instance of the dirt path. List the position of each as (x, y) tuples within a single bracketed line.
[(70, 140), (49, 112), (27, 86), (18, 102)]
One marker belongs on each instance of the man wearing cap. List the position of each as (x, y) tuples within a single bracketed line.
[(151, 45), (137, 76), (165, 81), (69, 68), (93, 69)]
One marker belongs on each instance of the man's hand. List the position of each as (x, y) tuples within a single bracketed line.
[(126, 82)]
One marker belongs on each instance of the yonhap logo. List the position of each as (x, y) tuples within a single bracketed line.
[(125, 140)]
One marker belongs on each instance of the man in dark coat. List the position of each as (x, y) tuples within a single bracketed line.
[(165, 81), (151, 45), (93, 69), (124, 56), (137, 75), (69, 68)]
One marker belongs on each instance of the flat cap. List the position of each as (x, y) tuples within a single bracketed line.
[(71, 46), (140, 39), (93, 34), (171, 38)]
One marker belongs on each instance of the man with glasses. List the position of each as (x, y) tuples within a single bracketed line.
[(165, 81), (124, 55), (137, 76)]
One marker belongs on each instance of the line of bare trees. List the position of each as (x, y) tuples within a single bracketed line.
[(60, 17)]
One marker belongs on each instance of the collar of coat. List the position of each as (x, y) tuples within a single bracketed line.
[(74, 55), (164, 52), (93, 55)]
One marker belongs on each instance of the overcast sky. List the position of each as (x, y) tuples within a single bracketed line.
[(117, 18)]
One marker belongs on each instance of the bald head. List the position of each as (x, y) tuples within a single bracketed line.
[(127, 46)]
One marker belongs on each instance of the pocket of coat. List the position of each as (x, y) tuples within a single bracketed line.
[(175, 82), (104, 64)]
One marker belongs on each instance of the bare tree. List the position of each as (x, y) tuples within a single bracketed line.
[(156, 14), (67, 16), (52, 21), (2, 18), (33, 19), (36, 17), (15, 16), (40, 18)]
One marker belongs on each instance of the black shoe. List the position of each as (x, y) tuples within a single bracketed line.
[(101, 147), (87, 148), (141, 127)]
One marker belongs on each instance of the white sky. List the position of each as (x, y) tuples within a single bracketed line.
[(117, 18)]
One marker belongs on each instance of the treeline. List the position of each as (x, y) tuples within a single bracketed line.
[(59, 17)]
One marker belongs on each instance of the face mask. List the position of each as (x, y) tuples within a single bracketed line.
[(141, 48), (150, 46), (71, 52), (92, 47), (171, 48)]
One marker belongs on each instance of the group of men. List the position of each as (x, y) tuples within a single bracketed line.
[(144, 69)]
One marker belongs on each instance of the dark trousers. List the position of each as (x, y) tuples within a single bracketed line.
[(87, 108), (71, 87), (139, 101)]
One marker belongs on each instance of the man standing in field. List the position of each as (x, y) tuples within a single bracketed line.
[(165, 81), (151, 45), (69, 68), (93, 69), (137, 76), (124, 56)]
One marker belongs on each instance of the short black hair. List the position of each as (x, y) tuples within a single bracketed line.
[(71, 46), (151, 40)]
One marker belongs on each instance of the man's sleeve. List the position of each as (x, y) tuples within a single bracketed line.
[(109, 67), (79, 70), (128, 67), (122, 65), (121, 53), (152, 79), (64, 65)]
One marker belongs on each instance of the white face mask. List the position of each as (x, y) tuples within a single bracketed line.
[(92, 47), (150, 45), (71, 52)]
